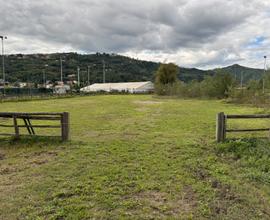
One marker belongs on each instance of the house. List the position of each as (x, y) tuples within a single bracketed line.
[(61, 89), (130, 87), (72, 76), (2, 83), (22, 84), (49, 86)]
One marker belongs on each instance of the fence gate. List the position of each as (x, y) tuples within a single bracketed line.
[(28, 118), (221, 125)]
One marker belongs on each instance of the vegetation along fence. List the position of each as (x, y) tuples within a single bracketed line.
[(25, 91), (27, 118), (221, 126)]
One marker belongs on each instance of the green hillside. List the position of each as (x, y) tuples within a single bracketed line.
[(247, 73), (29, 68), (118, 68)]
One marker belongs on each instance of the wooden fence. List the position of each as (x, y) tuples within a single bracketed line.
[(27, 119), (221, 126)]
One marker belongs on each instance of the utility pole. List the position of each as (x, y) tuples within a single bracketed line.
[(3, 62), (264, 69), (241, 79), (104, 76), (44, 76), (61, 68), (88, 75), (44, 80), (78, 75)]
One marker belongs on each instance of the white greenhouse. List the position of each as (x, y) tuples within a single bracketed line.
[(130, 87)]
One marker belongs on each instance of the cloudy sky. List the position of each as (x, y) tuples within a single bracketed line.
[(191, 33)]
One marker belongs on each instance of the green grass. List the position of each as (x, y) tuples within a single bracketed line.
[(136, 157)]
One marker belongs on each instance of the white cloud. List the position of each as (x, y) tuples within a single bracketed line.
[(193, 33)]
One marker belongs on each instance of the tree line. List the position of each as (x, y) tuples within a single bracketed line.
[(222, 85)]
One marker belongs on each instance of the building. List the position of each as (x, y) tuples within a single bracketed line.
[(49, 86), (22, 84), (2, 83), (130, 87), (61, 89)]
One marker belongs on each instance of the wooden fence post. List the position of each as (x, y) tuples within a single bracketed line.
[(224, 126), (17, 134), (65, 126), (220, 127)]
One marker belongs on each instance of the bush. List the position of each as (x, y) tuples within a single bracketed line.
[(218, 86)]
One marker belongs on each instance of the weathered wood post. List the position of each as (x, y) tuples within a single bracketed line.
[(220, 127), (15, 123), (65, 126)]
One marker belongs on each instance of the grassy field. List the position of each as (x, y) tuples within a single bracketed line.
[(136, 157)]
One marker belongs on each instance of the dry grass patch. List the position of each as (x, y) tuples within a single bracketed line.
[(160, 204)]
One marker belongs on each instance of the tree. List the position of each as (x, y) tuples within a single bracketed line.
[(217, 86), (167, 74)]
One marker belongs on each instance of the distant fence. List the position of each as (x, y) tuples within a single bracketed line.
[(27, 119), (221, 124), (25, 91)]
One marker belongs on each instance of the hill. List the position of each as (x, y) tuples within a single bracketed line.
[(21, 67), (247, 73), (29, 68)]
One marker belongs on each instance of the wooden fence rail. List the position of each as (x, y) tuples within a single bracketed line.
[(27, 119), (221, 124)]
